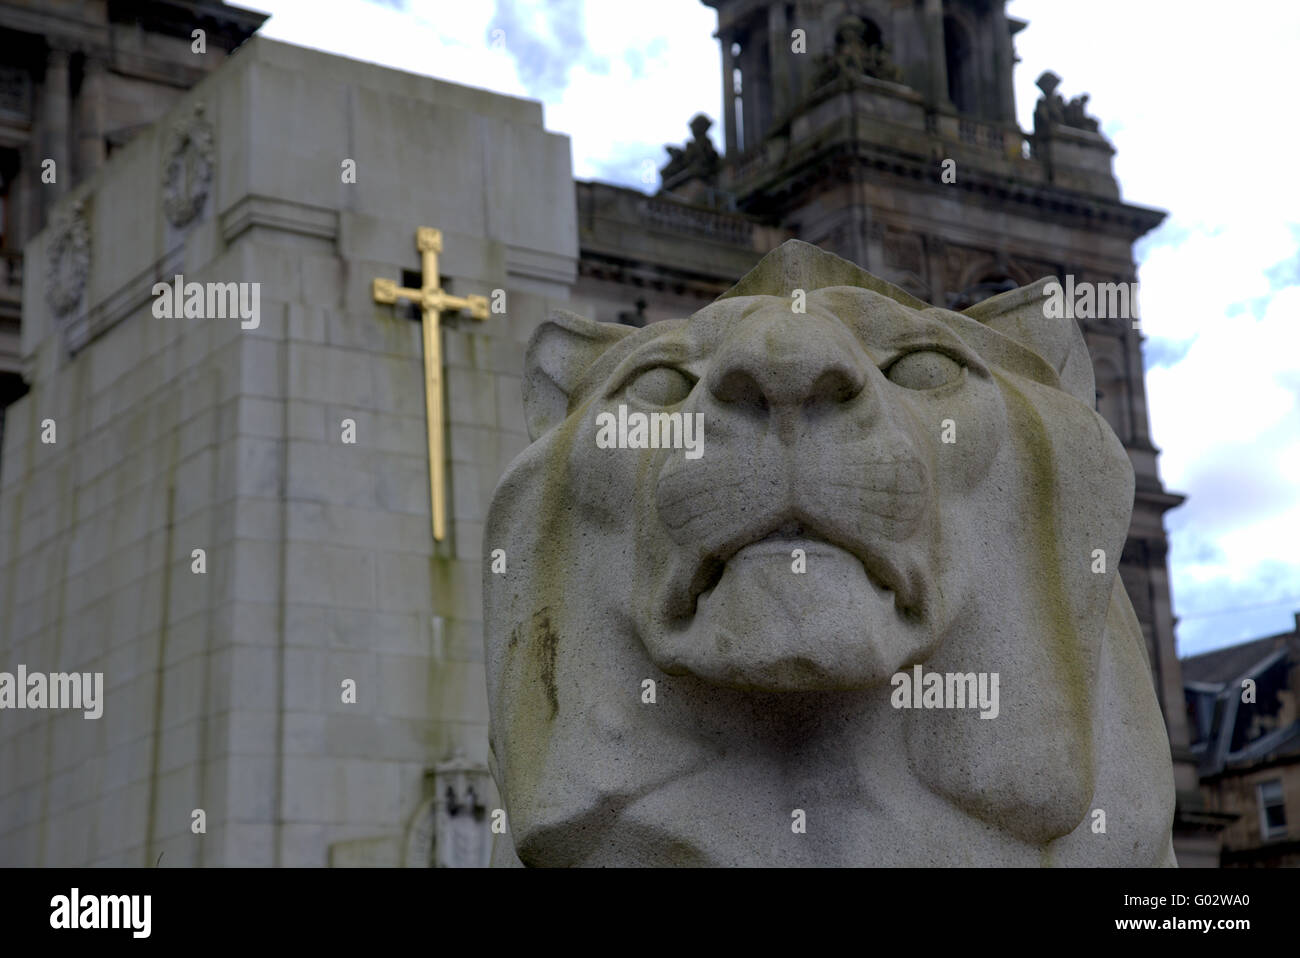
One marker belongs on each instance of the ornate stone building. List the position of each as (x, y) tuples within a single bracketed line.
[(77, 81), (885, 131)]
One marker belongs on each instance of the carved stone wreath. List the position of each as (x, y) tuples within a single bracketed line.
[(68, 261), (187, 167)]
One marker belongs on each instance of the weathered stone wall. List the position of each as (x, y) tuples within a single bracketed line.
[(223, 690)]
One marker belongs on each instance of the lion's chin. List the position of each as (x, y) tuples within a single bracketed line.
[(767, 625)]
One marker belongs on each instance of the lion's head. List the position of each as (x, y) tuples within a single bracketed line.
[(881, 485)]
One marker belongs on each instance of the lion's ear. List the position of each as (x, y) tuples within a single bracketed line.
[(1020, 314), (559, 352)]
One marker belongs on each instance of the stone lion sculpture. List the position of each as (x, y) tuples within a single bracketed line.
[(700, 660)]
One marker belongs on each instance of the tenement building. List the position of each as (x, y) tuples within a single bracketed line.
[(1242, 706)]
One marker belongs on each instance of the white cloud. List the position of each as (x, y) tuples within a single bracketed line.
[(438, 38), (1196, 104), (628, 115), (1231, 387), (663, 64)]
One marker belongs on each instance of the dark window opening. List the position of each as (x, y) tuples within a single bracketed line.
[(1272, 809), (957, 55)]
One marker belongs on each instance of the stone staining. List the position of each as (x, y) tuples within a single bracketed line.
[(773, 677)]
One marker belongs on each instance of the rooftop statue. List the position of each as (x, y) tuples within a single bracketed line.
[(697, 160), (1052, 108), (858, 52)]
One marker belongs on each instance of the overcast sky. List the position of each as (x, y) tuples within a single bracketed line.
[(1199, 100)]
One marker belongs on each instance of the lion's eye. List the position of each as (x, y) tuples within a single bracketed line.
[(924, 369), (661, 386)]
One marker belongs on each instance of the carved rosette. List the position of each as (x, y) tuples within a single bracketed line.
[(188, 162), (68, 261)]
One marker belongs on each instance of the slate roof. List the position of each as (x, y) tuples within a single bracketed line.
[(1221, 728), (1226, 665)]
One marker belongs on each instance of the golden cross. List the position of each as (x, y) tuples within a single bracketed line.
[(432, 302)]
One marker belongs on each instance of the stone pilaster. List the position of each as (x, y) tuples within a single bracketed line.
[(1004, 58), (938, 63), (90, 125), (55, 141), (778, 51), (728, 93)]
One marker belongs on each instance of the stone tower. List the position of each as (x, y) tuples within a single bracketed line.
[(840, 120)]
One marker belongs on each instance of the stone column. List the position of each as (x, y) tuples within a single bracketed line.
[(749, 72), (55, 141), (938, 62), (1004, 60), (1140, 425), (90, 123), (25, 199), (778, 51), (728, 93), (1170, 678)]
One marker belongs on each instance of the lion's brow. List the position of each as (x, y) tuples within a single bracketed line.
[(877, 324)]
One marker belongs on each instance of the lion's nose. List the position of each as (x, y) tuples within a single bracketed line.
[(782, 361)]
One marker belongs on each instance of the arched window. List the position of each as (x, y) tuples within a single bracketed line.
[(738, 103), (871, 35)]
